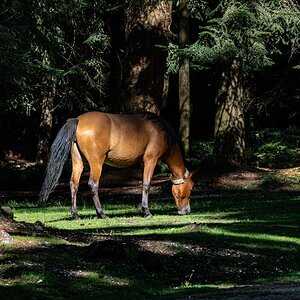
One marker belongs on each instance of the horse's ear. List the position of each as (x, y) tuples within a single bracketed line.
[(194, 177), (191, 175)]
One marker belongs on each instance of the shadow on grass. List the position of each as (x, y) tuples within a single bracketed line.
[(184, 261), (67, 271), (237, 238)]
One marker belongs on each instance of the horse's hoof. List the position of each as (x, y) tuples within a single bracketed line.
[(75, 217), (103, 216), (148, 215)]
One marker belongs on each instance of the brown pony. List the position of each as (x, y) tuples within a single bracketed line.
[(120, 141)]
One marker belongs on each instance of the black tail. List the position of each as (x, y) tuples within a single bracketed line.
[(58, 155)]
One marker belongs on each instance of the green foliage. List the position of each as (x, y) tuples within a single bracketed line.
[(275, 148), (248, 30), (173, 59), (202, 150), (45, 41), (199, 9), (162, 169), (13, 54)]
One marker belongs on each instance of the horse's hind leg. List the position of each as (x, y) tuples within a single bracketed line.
[(96, 169), (77, 167)]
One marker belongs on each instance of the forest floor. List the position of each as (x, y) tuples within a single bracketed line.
[(244, 269)]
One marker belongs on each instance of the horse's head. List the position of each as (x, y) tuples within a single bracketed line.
[(181, 190)]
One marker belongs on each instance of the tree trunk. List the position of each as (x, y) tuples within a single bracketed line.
[(148, 25), (229, 141), (184, 78), (46, 123)]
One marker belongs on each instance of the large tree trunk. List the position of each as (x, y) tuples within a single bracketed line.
[(148, 25), (229, 141), (184, 78), (46, 122)]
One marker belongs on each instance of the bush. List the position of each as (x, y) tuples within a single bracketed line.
[(274, 148), (202, 150)]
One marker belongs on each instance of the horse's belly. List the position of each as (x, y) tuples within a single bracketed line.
[(120, 161)]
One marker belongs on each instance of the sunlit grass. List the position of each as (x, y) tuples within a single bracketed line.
[(226, 241), (126, 219), (31, 277)]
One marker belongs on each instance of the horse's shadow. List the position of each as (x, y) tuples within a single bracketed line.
[(155, 212)]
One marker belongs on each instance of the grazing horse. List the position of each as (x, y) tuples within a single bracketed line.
[(120, 141)]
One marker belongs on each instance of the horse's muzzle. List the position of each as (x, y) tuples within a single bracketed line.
[(185, 211)]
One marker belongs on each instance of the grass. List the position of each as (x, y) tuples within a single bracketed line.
[(231, 238)]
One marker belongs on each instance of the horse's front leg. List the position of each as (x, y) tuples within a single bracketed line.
[(149, 167), (145, 193), (94, 186), (94, 190)]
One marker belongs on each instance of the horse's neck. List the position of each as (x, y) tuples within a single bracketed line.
[(176, 163)]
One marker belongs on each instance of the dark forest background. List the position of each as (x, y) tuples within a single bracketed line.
[(224, 74)]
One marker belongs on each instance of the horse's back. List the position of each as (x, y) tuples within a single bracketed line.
[(122, 139)]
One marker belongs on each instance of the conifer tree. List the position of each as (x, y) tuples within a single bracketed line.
[(239, 38)]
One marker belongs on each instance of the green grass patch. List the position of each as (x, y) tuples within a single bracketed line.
[(230, 238)]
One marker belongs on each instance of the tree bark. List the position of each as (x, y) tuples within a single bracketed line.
[(46, 122), (184, 78), (229, 139), (147, 26)]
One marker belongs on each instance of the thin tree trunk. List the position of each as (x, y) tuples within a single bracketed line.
[(184, 79), (165, 93), (148, 25), (229, 141), (46, 123)]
